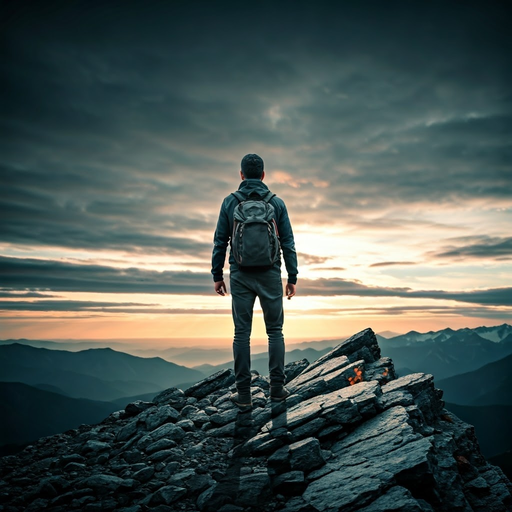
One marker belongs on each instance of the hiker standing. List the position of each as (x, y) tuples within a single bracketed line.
[(255, 223)]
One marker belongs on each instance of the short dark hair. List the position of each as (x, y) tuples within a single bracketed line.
[(252, 166)]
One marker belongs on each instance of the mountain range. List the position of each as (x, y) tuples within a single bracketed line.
[(497, 334), (108, 379), (186, 355), (448, 352), (443, 353), (97, 374)]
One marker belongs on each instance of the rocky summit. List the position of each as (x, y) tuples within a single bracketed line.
[(352, 436)]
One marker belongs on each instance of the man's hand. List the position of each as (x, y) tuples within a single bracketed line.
[(220, 288), (290, 290)]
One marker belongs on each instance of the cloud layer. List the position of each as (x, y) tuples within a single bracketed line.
[(22, 274), (385, 125)]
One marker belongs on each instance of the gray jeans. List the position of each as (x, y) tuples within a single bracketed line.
[(268, 287)]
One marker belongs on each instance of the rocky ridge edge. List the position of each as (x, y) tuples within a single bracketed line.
[(352, 436)]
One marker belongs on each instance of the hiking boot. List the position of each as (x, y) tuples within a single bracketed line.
[(243, 401), (278, 393)]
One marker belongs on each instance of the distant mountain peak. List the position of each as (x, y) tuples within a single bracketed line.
[(496, 333), (493, 333)]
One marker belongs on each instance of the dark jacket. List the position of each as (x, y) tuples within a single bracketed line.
[(224, 229)]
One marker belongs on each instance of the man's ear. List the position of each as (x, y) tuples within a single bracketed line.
[(242, 176), (262, 175)]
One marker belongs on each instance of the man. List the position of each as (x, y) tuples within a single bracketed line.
[(246, 285)]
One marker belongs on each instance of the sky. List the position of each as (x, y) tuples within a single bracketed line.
[(384, 126)]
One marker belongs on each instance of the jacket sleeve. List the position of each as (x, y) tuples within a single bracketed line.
[(288, 245), (220, 243)]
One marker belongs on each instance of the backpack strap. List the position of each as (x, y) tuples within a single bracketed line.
[(239, 197), (268, 196)]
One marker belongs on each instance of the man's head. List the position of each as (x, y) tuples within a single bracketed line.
[(252, 167)]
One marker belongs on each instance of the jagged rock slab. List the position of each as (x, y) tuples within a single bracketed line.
[(362, 345), (221, 379)]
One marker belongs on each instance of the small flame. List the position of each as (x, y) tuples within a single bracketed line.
[(357, 378), (385, 373)]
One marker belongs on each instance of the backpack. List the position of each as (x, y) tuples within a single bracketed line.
[(255, 239)]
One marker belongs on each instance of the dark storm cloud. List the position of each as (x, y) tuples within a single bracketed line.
[(125, 124), (392, 263), (337, 286), (22, 319), (330, 269), (17, 295), (422, 166), (103, 307), (65, 305), (124, 223), (311, 259), (481, 247), (476, 312), (47, 275), (34, 274)]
